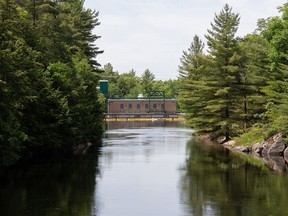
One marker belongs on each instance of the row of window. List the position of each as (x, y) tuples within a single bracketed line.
[(122, 106)]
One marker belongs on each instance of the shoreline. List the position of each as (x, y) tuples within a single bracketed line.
[(272, 152)]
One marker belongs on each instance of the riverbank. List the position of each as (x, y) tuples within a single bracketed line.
[(272, 152)]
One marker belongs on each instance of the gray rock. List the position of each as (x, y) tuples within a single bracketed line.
[(286, 155), (256, 146), (257, 149), (278, 163), (221, 139), (247, 149), (277, 147), (265, 150)]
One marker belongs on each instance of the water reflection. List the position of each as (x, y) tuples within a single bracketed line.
[(140, 169), (147, 169), (142, 124), (218, 182), (62, 187)]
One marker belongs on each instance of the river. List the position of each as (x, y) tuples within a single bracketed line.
[(145, 169)]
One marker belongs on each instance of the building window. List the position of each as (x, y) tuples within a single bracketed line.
[(129, 106), (163, 106), (154, 106), (138, 106), (146, 106), (121, 106)]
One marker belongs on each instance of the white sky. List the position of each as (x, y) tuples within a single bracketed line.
[(152, 34)]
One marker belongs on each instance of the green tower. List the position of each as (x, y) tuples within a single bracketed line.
[(104, 87)]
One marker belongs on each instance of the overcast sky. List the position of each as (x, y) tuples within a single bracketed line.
[(151, 34)]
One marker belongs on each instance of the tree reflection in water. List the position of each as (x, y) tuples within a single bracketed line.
[(215, 181), (60, 187)]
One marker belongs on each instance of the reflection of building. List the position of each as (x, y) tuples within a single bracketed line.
[(140, 124), (141, 106)]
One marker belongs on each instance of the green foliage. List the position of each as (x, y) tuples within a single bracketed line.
[(225, 77), (170, 87), (226, 91), (48, 78), (147, 79), (241, 83), (190, 58), (211, 90), (277, 88), (129, 85), (15, 86), (256, 134)]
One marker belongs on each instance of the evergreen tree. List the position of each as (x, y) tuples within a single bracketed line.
[(277, 91), (20, 74), (193, 89), (109, 73), (255, 75), (147, 80), (190, 58), (48, 77), (225, 77), (211, 91)]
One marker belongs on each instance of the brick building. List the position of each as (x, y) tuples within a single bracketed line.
[(142, 106)]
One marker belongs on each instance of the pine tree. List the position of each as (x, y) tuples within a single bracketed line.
[(255, 75), (277, 106), (190, 58), (224, 78), (147, 80), (193, 90), (48, 77), (277, 89)]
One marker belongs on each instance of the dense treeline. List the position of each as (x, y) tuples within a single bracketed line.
[(48, 78), (240, 84), (129, 85), (49, 101)]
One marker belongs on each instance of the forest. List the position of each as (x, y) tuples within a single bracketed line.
[(228, 86), (129, 85), (237, 86), (49, 76)]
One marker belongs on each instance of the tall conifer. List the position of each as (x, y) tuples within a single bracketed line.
[(224, 78), (193, 90)]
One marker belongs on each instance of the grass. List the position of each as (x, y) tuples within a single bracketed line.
[(254, 135)]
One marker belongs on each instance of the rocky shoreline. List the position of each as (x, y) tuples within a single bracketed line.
[(272, 152)]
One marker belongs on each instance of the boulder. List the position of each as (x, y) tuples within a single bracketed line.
[(240, 148), (247, 149), (272, 152), (286, 155), (278, 163), (265, 150), (277, 148), (231, 144), (257, 148), (221, 139)]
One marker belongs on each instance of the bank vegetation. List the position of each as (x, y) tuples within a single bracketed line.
[(236, 87), (49, 77)]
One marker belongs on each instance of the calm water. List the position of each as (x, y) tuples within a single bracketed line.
[(145, 169)]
